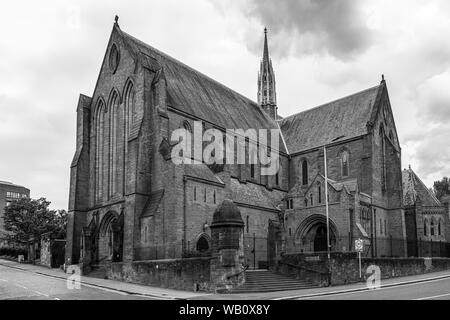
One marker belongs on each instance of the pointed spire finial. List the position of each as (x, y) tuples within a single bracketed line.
[(409, 167), (116, 19), (265, 30), (382, 79)]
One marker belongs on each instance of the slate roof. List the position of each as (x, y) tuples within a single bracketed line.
[(346, 117), (201, 171), (195, 93), (414, 188), (255, 195), (152, 204)]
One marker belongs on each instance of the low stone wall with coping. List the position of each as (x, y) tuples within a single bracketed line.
[(344, 267), (181, 274)]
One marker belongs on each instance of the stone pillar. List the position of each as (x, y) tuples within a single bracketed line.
[(227, 227)]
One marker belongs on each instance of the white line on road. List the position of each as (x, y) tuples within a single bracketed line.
[(41, 294), (21, 286), (435, 297), (3, 280), (363, 290)]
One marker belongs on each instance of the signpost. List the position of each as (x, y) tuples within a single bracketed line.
[(359, 247)]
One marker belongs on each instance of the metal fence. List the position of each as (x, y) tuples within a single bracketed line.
[(389, 247)]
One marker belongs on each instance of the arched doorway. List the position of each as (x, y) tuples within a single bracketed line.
[(320, 239), (311, 235), (110, 238)]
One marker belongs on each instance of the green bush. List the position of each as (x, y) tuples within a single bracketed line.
[(13, 252)]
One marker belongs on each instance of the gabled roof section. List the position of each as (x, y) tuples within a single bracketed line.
[(195, 93), (202, 172), (153, 203), (255, 195), (414, 188), (345, 118)]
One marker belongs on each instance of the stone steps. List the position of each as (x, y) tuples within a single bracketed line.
[(98, 272), (267, 281)]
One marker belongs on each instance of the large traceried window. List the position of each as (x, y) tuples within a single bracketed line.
[(116, 145)]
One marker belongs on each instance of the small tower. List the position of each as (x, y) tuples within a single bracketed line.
[(267, 97)]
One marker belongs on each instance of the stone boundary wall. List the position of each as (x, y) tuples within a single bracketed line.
[(345, 267), (181, 274)]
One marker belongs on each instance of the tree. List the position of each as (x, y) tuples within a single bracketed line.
[(27, 218), (442, 188)]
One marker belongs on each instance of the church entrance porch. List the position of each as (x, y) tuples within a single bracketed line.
[(311, 236), (110, 238)]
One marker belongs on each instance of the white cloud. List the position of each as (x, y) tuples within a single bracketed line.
[(322, 50)]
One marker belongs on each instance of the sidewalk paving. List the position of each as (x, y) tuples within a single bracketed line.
[(288, 295), (124, 287)]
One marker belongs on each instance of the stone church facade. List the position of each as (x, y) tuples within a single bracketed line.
[(130, 202)]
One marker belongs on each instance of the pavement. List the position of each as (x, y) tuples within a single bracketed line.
[(24, 281), (430, 286)]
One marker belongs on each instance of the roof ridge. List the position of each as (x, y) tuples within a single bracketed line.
[(426, 188), (182, 64), (330, 102)]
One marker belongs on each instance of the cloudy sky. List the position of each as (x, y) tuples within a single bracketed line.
[(321, 50)]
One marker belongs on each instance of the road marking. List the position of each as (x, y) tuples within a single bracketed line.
[(20, 286), (97, 287), (434, 297), (364, 289), (57, 298), (3, 280), (41, 294)]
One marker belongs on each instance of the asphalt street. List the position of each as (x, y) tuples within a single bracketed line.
[(432, 290), (21, 285)]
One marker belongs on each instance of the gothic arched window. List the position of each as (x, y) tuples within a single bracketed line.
[(99, 125), (202, 244), (440, 228), (130, 107), (319, 192), (432, 227), (345, 164), (305, 173), (425, 228)]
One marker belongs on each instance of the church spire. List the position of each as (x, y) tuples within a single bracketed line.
[(266, 47), (267, 98)]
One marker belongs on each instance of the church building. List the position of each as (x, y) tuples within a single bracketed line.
[(130, 202)]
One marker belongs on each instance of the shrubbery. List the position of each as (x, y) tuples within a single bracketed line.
[(13, 252)]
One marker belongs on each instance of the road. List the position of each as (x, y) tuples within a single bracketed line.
[(432, 290), (22, 285)]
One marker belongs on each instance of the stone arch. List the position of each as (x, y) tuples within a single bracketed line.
[(110, 237), (203, 243), (311, 234)]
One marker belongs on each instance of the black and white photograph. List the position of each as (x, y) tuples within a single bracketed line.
[(223, 157)]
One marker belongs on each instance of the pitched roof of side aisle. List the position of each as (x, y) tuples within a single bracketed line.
[(346, 117)]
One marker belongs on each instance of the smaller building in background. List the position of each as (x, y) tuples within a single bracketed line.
[(427, 218), (9, 192)]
